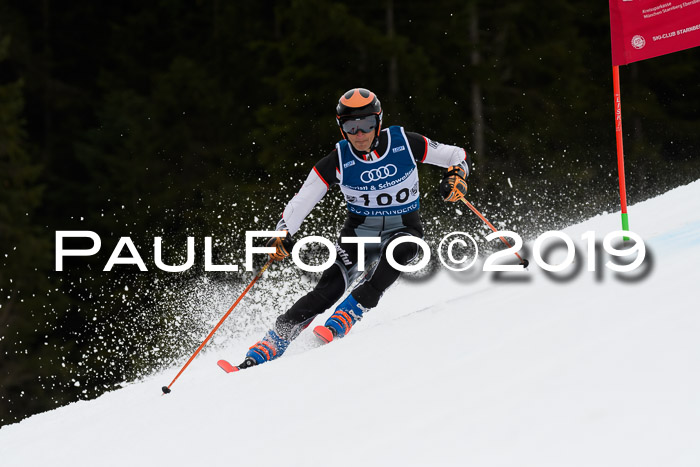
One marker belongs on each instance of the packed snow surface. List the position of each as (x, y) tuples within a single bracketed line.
[(520, 369)]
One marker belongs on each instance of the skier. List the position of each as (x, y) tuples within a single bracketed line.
[(377, 173)]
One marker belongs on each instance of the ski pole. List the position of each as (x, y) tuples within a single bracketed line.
[(523, 262), (166, 389)]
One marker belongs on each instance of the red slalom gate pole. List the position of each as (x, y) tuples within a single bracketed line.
[(166, 389), (523, 262), (620, 151)]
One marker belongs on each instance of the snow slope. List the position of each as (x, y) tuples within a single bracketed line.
[(591, 371)]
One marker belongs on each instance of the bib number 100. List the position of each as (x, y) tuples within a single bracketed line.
[(385, 199)]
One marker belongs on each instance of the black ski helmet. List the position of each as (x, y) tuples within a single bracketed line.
[(355, 103)]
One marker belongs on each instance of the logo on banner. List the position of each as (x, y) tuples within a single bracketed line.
[(381, 173), (638, 42)]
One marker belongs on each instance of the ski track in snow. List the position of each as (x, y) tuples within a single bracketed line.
[(592, 371)]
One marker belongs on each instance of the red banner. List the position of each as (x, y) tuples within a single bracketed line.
[(642, 29)]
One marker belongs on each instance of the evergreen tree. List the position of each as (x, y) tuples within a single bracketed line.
[(29, 311)]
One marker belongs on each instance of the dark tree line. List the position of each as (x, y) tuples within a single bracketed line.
[(189, 118)]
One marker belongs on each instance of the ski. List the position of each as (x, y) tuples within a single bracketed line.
[(226, 366), (324, 334)]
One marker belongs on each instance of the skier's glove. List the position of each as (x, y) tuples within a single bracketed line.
[(283, 245), (453, 186)]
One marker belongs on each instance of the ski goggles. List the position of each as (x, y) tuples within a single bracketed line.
[(363, 124)]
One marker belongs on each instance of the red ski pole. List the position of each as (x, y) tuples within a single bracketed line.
[(523, 262), (166, 389)]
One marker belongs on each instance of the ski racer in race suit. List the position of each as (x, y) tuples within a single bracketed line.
[(376, 170)]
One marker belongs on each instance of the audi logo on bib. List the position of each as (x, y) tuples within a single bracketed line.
[(379, 173)]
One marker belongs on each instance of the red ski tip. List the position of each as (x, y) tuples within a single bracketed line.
[(324, 334), (226, 366)]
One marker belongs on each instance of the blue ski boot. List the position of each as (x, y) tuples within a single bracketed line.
[(339, 324), (269, 348)]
